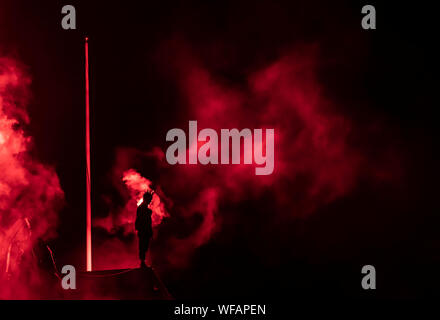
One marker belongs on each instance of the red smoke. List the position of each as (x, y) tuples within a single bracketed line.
[(114, 253), (136, 185), (315, 163), (30, 192), (139, 185)]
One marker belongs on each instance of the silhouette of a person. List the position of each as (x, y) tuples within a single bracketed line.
[(143, 226)]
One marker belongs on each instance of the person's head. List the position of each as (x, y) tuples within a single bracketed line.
[(147, 197)]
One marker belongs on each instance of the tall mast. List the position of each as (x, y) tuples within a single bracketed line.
[(89, 199)]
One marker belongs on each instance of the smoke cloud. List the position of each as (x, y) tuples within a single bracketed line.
[(30, 192), (316, 161)]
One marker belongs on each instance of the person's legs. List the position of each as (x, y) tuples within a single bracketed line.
[(142, 248), (147, 244)]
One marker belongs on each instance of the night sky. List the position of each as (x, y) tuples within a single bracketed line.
[(381, 80)]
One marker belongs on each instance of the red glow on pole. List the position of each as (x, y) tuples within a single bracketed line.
[(89, 200)]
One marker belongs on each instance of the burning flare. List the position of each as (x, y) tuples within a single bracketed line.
[(137, 186)]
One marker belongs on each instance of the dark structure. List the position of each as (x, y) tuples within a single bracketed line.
[(132, 284)]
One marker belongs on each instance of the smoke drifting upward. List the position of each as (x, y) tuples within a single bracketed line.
[(136, 185), (139, 185), (119, 248), (30, 193), (315, 161)]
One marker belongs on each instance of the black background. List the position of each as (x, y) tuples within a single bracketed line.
[(392, 68)]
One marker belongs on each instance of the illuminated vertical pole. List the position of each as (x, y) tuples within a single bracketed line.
[(89, 199)]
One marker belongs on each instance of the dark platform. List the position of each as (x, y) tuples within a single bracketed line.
[(135, 284)]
